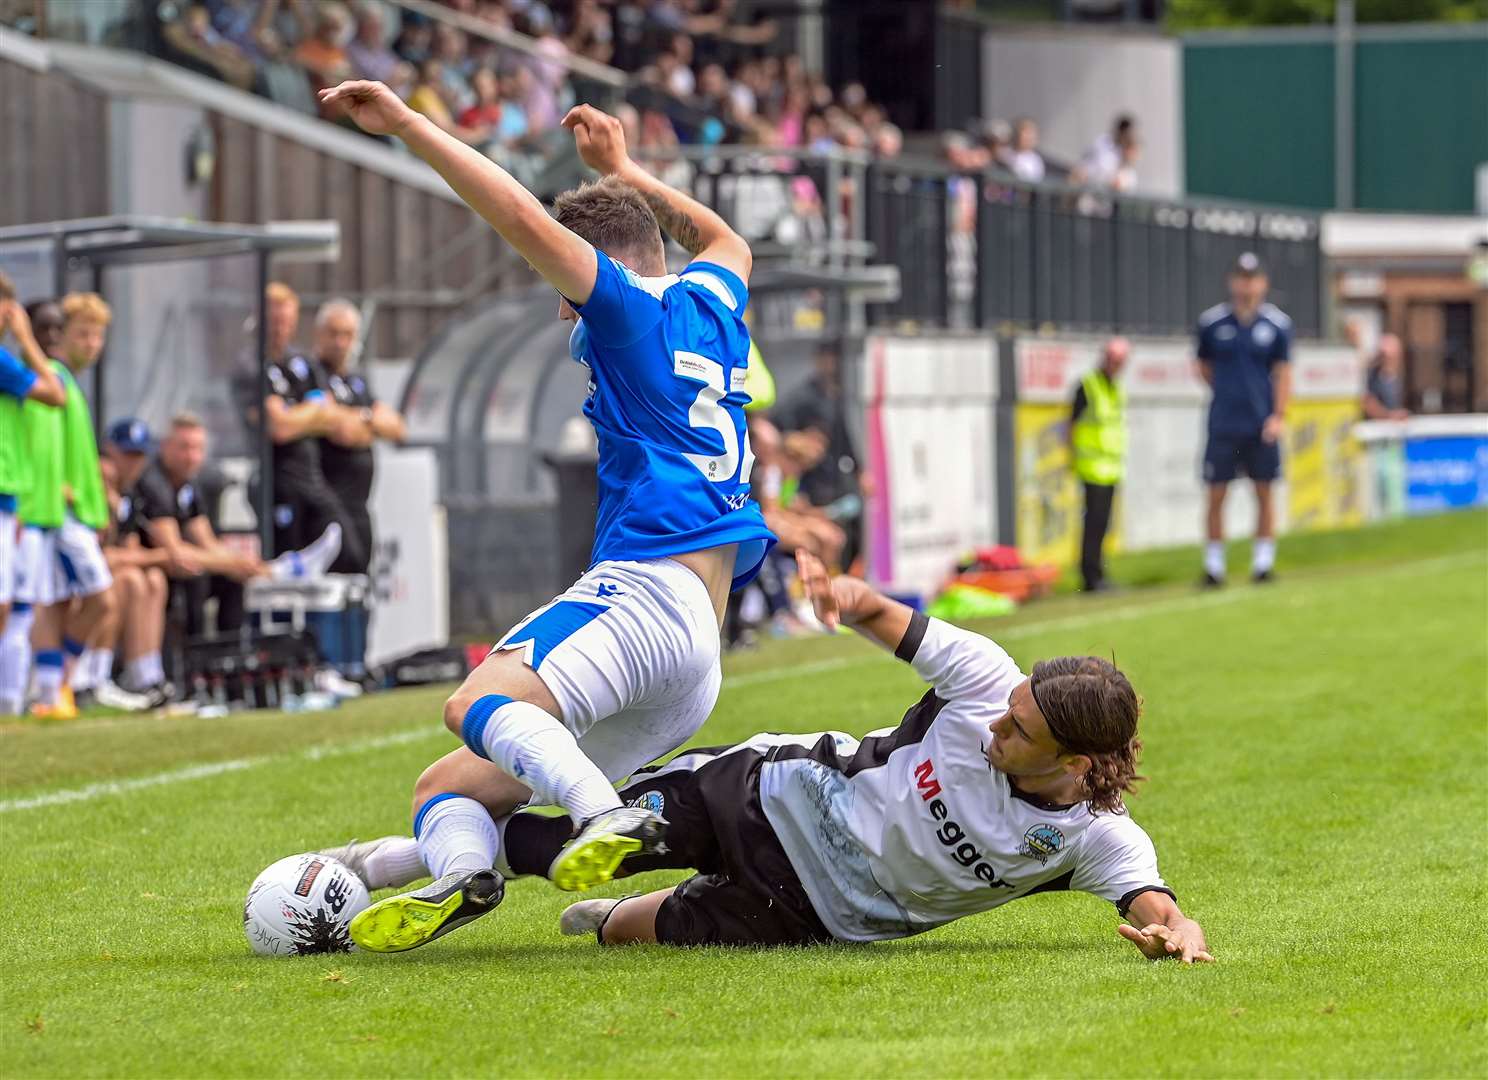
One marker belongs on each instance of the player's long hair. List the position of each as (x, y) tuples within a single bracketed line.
[(1091, 709)]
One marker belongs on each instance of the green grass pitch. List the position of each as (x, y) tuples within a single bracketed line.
[(1318, 752)]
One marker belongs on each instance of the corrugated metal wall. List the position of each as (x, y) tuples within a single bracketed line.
[(53, 147)]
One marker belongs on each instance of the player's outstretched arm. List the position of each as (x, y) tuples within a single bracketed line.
[(601, 142), (1162, 932), (853, 602), (564, 259)]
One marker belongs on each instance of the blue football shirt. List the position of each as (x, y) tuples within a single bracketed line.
[(16, 379), (1241, 358), (667, 358)]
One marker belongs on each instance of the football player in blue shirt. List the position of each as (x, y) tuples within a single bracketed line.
[(27, 377), (1244, 349), (624, 666)]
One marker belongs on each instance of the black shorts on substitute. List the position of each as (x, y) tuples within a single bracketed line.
[(745, 892)]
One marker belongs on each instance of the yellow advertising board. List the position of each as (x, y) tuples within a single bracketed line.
[(1322, 466), (1049, 502)]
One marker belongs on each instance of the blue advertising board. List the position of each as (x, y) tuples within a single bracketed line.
[(1445, 473)]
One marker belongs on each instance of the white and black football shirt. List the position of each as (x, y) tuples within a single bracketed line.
[(910, 827)]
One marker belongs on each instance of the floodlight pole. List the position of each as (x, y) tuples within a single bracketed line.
[(1343, 106), (265, 508)]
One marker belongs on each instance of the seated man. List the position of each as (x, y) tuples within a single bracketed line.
[(139, 571), (200, 564), (994, 786)]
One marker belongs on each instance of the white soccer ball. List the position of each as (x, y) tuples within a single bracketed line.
[(301, 905)]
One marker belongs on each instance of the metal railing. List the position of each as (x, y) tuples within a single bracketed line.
[(987, 251)]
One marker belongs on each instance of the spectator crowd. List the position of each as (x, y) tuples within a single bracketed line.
[(697, 71), (103, 546), (1109, 162)]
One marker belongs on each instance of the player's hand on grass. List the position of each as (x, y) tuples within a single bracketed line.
[(1158, 941), (600, 139), (374, 107)]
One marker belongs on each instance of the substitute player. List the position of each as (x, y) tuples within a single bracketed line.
[(27, 378), (995, 785), (62, 512), (1243, 351), (623, 667)]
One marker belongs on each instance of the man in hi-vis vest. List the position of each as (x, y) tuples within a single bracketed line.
[(1097, 438)]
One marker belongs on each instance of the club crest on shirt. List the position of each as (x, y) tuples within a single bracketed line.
[(1040, 842), (1262, 334), (653, 801)]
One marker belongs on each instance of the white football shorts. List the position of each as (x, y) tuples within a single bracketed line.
[(9, 554), (631, 654), (36, 566), (80, 563)]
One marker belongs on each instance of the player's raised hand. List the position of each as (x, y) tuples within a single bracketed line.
[(1159, 942), (375, 108), (818, 585), (600, 139), (13, 317)]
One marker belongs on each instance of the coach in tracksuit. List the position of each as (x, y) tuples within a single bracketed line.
[(1244, 347)]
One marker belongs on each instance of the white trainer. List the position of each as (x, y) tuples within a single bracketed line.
[(116, 697), (330, 681), (586, 917)]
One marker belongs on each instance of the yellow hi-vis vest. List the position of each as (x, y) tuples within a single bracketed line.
[(1100, 432)]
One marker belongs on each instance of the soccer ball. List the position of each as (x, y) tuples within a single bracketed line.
[(301, 905)]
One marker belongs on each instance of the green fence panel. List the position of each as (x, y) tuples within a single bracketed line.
[(1258, 122), (1420, 122)]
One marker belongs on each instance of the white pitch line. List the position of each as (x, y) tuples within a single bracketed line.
[(318, 753), (214, 768)]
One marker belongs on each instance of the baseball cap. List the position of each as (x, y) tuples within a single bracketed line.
[(131, 435), (1248, 263)]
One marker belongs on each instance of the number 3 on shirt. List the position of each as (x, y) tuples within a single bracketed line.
[(708, 414)]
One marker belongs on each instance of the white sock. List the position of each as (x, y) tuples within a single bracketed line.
[(48, 676), (103, 666), (395, 864), (144, 671), (15, 661), (311, 561), (1263, 557), (1214, 558), (454, 833), (92, 668), (532, 746)]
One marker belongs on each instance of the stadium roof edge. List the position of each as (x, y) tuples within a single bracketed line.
[(125, 74), (136, 237)]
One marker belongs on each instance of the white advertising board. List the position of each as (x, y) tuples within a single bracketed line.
[(410, 560), (930, 423)]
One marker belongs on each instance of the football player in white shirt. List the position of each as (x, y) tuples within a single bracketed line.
[(996, 785)]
